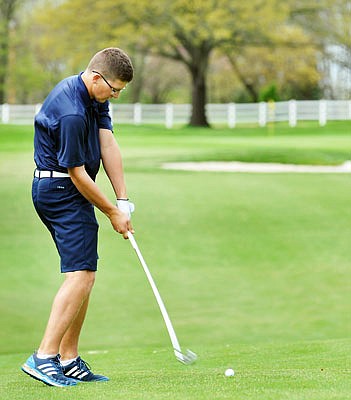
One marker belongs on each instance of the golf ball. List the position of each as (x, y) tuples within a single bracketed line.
[(229, 372)]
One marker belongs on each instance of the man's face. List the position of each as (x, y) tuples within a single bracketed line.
[(104, 90)]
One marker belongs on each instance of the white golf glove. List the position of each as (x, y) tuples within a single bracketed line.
[(126, 206)]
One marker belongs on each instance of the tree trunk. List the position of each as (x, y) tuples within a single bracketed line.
[(198, 69), (248, 85), (198, 114)]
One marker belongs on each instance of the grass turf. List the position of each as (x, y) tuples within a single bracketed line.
[(254, 271)]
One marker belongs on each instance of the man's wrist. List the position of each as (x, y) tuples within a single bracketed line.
[(125, 206)]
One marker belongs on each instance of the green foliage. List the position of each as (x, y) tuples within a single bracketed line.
[(328, 22), (7, 11), (269, 93), (225, 50), (179, 30)]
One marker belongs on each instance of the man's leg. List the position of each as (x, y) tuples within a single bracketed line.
[(69, 343), (73, 366), (68, 309)]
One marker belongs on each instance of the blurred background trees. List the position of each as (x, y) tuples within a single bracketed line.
[(183, 51), (7, 12)]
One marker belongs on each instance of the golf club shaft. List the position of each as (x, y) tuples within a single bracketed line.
[(171, 332)]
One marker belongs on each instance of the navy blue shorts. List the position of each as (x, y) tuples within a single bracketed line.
[(71, 221)]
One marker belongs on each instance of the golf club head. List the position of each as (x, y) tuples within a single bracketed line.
[(188, 358)]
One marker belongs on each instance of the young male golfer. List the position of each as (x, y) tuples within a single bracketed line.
[(73, 132)]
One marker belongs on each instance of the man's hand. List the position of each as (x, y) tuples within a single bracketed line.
[(121, 223)]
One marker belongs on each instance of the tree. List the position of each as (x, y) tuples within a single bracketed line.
[(28, 78), (329, 23), (189, 31), (182, 30), (7, 11), (260, 38), (289, 64)]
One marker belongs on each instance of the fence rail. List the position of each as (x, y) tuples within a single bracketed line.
[(230, 114)]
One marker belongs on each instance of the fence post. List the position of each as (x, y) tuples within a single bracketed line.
[(292, 113), (169, 115), (137, 114), (110, 111), (231, 115), (37, 108), (322, 112), (5, 113), (262, 114)]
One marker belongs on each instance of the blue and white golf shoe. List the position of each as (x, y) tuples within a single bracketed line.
[(80, 370), (48, 371)]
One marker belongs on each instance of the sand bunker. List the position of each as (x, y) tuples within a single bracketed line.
[(236, 166)]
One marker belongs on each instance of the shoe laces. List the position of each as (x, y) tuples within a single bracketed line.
[(57, 365), (83, 365)]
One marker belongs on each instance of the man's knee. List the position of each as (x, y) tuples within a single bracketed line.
[(84, 279)]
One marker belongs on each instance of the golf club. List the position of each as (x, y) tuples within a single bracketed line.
[(188, 357)]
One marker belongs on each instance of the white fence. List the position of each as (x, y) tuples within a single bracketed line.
[(230, 114)]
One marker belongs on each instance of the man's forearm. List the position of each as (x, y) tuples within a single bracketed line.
[(89, 189), (112, 162)]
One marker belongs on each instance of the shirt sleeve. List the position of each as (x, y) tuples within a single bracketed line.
[(104, 116), (72, 141)]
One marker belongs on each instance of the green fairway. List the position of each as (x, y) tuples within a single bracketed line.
[(254, 270)]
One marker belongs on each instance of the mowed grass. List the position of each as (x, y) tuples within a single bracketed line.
[(306, 144), (254, 270)]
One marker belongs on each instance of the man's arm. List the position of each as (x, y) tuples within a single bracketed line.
[(90, 190), (112, 162)]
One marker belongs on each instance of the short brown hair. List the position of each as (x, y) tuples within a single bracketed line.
[(113, 63)]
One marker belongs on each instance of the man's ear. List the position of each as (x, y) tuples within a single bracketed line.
[(96, 77)]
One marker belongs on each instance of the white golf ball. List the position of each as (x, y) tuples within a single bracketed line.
[(229, 372)]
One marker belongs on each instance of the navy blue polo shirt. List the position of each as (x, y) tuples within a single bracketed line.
[(67, 128)]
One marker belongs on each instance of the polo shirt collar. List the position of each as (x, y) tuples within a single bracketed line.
[(88, 102)]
